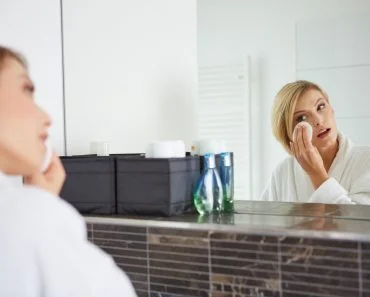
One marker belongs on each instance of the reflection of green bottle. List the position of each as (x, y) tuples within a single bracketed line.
[(208, 193), (227, 180), (205, 219)]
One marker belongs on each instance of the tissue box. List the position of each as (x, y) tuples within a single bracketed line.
[(156, 186), (90, 184)]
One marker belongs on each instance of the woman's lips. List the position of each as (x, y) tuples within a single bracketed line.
[(324, 133), (44, 137)]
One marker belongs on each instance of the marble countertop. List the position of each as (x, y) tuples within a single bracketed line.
[(351, 222)]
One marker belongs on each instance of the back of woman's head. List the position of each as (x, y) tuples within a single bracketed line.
[(283, 109)]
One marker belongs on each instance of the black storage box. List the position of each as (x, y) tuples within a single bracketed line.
[(156, 186), (90, 184)]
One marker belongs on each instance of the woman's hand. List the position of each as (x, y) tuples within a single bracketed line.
[(309, 157), (51, 180)]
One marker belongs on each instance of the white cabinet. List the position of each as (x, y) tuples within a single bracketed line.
[(130, 72), (34, 29)]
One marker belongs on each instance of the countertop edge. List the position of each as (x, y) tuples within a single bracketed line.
[(282, 232)]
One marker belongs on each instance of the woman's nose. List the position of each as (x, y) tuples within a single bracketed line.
[(46, 118), (317, 121)]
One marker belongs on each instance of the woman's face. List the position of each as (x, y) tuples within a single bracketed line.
[(313, 108), (23, 125)]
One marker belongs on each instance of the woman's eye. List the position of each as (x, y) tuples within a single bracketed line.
[(301, 118), (321, 106)]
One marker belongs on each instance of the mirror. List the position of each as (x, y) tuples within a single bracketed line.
[(249, 49)]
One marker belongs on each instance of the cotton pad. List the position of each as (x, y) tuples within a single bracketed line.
[(47, 157), (309, 129)]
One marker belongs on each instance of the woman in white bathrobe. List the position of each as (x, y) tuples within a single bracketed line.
[(328, 169), (44, 250)]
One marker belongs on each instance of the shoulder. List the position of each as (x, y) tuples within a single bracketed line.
[(357, 153), (360, 155), (31, 209), (359, 161), (284, 166), (361, 151)]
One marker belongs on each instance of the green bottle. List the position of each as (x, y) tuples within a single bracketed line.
[(208, 195), (227, 181)]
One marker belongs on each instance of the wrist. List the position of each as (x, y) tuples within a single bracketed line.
[(319, 178)]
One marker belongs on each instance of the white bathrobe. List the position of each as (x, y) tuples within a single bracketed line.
[(349, 181), (44, 250)]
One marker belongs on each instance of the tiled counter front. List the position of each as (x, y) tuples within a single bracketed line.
[(171, 262)]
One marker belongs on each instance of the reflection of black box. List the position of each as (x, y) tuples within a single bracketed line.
[(156, 186), (90, 184)]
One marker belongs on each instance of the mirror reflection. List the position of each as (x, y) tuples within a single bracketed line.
[(266, 66)]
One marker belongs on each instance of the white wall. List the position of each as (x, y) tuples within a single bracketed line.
[(34, 29), (342, 65), (130, 72), (265, 30)]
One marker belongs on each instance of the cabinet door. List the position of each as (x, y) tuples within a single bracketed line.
[(34, 29), (130, 72)]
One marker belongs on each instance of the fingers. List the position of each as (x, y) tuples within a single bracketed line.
[(306, 138), (54, 164), (56, 169), (52, 179), (300, 139)]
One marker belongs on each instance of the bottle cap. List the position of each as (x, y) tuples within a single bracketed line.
[(226, 159), (209, 161)]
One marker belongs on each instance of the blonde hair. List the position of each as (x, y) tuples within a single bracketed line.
[(283, 109), (7, 53)]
